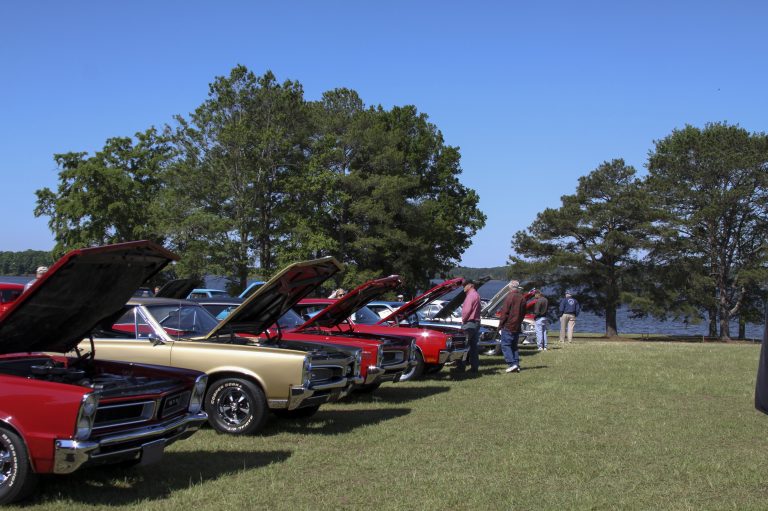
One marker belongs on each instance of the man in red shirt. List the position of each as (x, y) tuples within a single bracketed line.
[(510, 321), (470, 323)]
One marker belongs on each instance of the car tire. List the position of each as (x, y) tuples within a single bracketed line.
[(368, 388), (415, 371), (299, 413), (17, 477), (235, 406)]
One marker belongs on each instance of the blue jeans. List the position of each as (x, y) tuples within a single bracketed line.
[(472, 331), (541, 332), (509, 347)]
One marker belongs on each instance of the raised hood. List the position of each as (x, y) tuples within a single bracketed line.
[(179, 288), (420, 301), (276, 297), (78, 292), (344, 307), (457, 300), (494, 302)]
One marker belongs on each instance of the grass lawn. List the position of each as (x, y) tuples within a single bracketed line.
[(594, 425)]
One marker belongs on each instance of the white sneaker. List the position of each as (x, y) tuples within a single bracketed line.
[(513, 369), (545, 349), (540, 348)]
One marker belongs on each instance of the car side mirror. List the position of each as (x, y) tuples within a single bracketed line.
[(154, 339)]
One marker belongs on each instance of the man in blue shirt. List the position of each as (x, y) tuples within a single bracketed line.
[(569, 310)]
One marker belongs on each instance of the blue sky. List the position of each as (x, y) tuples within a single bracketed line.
[(535, 94)]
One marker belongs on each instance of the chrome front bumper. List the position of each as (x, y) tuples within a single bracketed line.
[(452, 356), (316, 394), (147, 443)]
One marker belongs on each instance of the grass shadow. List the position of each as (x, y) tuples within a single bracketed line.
[(332, 422), (115, 486), (395, 394)]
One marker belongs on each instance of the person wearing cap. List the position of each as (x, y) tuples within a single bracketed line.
[(510, 321), (569, 311), (470, 323), (338, 293), (39, 273)]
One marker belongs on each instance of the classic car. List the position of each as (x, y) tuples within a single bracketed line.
[(60, 413), (247, 376), (384, 358), (434, 347), (206, 293), (9, 292)]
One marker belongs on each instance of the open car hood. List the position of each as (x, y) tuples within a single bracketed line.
[(344, 307), (457, 300), (420, 301), (270, 301), (79, 291), (499, 297), (179, 288)]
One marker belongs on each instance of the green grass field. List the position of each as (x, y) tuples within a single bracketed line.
[(594, 425)]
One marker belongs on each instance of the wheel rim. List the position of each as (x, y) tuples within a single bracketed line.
[(7, 467), (412, 369), (234, 407)]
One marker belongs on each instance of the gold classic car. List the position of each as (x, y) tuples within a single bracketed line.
[(246, 378)]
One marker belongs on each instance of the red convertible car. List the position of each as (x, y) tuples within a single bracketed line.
[(8, 294), (59, 413), (349, 316)]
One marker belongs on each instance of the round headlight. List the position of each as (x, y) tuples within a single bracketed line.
[(380, 356), (449, 343), (306, 372), (358, 362)]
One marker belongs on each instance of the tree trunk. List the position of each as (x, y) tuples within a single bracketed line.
[(742, 327), (712, 314), (612, 302), (610, 322)]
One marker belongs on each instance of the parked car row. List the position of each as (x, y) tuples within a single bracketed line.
[(92, 374)]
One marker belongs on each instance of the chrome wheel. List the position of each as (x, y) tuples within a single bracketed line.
[(16, 476), (7, 464), (234, 407)]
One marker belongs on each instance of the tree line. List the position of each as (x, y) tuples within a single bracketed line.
[(688, 241), (257, 177), (23, 263)]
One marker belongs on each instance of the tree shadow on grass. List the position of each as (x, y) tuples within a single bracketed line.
[(396, 393), (332, 422), (107, 485)]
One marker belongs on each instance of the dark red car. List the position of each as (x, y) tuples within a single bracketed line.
[(434, 347), (8, 294), (59, 413)]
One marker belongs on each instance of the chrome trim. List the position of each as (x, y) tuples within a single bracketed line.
[(69, 455), (341, 382), (297, 394), (277, 403), (451, 356), (373, 373)]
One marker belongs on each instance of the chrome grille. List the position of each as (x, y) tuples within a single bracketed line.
[(174, 403), (325, 374), (459, 342), (393, 357), (120, 414)]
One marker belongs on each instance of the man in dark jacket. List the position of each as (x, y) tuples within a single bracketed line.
[(540, 311), (512, 315), (569, 310)]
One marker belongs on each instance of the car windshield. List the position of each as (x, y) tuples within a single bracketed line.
[(9, 295), (183, 320), (365, 316), (290, 320)]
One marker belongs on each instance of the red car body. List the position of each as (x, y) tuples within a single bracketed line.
[(434, 346), (59, 413), (8, 294)]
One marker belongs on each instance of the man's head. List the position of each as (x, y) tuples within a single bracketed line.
[(468, 284), (568, 292), (537, 294), (41, 271), (513, 284)]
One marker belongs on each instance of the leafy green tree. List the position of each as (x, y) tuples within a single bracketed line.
[(106, 198), (713, 185), (224, 200), (381, 193), (592, 242), (23, 263)]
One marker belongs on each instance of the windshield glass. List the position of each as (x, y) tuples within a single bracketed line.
[(365, 316), (183, 320), (290, 320)]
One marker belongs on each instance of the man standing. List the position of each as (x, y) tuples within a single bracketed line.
[(569, 310), (540, 312), (470, 323), (512, 314)]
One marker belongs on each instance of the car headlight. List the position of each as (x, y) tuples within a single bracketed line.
[(413, 350), (379, 356), (358, 362), (449, 343), (86, 416), (306, 372), (198, 393)]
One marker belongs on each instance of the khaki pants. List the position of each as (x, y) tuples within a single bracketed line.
[(567, 322)]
